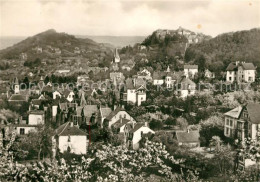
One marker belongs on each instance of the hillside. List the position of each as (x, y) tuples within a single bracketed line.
[(118, 41), (225, 48), (174, 41), (50, 44)]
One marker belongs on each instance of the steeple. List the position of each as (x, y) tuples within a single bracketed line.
[(83, 101), (116, 57), (168, 70), (16, 86)]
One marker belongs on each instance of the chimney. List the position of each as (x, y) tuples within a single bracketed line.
[(237, 62), (71, 124), (115, 107), (146, 123), (123, 106), (188, 130)]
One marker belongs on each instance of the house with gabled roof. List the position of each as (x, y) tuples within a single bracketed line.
[(136, 134), (240, 72), (185, 88), (118, 113), (190, 70), (69, 138), (188, 138), (135, 90), (104, 112), (243, 122)]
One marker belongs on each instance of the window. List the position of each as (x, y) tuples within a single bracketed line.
[(230, 78), (227, 131), (124, 115), (231, 123), (227, 122), (69, 139), (22, 131)]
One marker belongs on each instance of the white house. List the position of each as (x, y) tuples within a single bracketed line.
[(36, 117), (231, 118), (209, 74), (24, 129), (243, 122), (137, 133), (135, 90), (69, 95), (145, 74), (240, 72), (118, 113), (186, 87), (190, 70), (56, 94), (69, 138)]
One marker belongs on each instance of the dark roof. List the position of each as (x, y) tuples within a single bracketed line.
[(67, 130), (158, 75), (17, 97), (37, 101), (129, 83), (121, 122), (188, 137), (105, 111), (88, 110), (254, 112), (39, 112), (248, 66), (190, 66), (137, 127), (113, 113)]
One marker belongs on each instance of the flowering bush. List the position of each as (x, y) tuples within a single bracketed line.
[(107, 163)]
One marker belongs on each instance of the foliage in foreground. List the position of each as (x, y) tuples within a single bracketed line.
[(107, 163)]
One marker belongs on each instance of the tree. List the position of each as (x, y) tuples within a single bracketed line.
[(155, 124), (216, 142), (170, 121), (182, 123), (35, 144), (213, 126)]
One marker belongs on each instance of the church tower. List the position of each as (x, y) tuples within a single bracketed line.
[(16, 86), (116, 57)]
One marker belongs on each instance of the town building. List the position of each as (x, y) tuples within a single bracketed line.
[(118, 113), (188, 138), (190, 71), (185, 88), (240, 72), (137, 133), (69, 138), (209, 74), (243, 122), (135, 91)]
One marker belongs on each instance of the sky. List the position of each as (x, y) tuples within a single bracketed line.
[(125, 17)]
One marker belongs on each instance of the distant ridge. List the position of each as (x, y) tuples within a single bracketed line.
[(118, 41)]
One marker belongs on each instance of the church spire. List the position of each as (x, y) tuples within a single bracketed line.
[(116, 57), (83, 101), (168, 70)]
